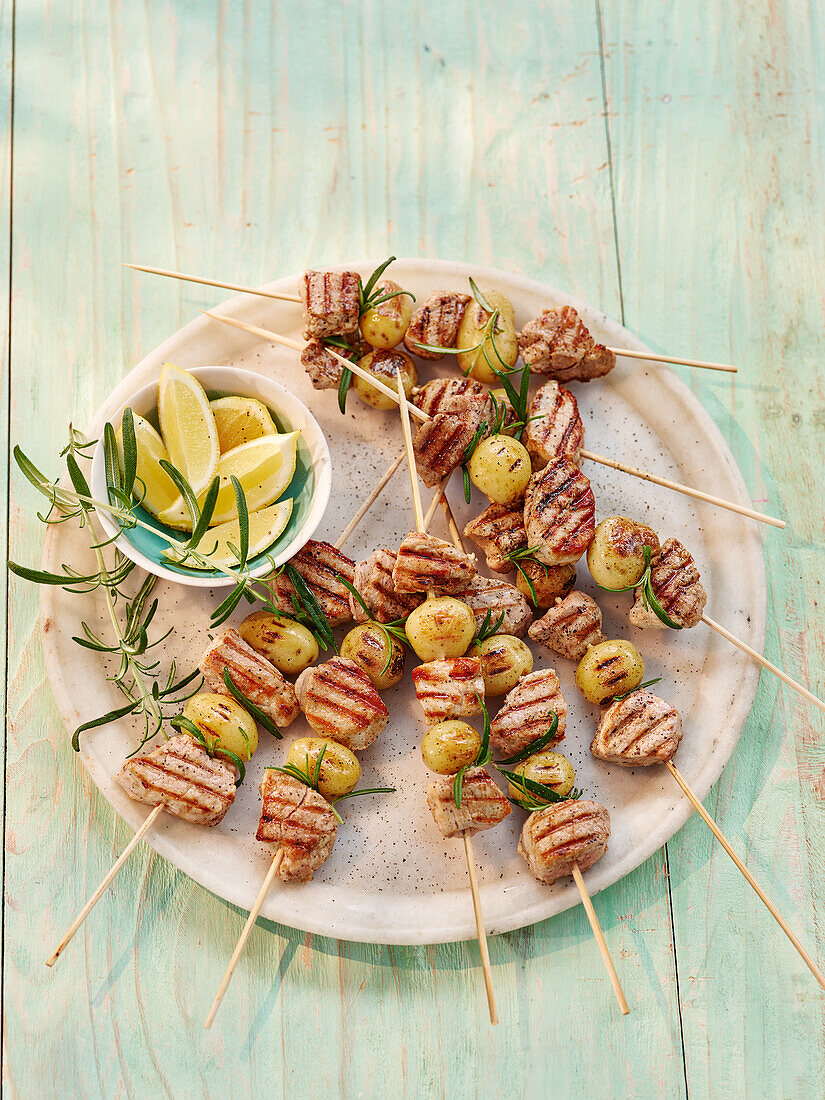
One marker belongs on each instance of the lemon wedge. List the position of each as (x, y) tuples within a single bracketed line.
[(177, 515), (264, 468), (188, 426), (160, 491), (239, 420), (264, 528)]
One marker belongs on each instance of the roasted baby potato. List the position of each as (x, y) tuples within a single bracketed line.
[(608, 669), (504, 660), (450, 746), (288, 645)]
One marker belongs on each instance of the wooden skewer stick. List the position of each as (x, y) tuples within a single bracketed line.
[(625, 353), (437, 498), (247, 928), (577, 875), (295, 298), (717, 832), (371, 499), (419, 415), (215, 282), (481, 932), (276, 338), (600, 940), (685, 489), (96, 896), (760, 660)]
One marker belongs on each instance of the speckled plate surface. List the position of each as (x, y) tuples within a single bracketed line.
[(391, 877)]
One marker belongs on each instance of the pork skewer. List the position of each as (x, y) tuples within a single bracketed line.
[(481, 932), (178, 776), (417, 413), (670, 575), (521, 700), (641, 730), (653, 356)]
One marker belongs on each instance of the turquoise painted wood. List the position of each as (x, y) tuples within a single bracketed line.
[(663, 161)]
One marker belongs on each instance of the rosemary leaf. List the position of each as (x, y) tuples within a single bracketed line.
[(534, 746), (127, 432), (256, 712)]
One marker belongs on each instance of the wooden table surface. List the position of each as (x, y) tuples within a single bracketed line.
[(662, 160)]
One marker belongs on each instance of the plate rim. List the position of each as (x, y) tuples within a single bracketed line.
[(325, 924)]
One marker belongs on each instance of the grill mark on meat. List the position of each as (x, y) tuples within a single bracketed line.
[(256, 677), (425, 563), (323, 369), (340, 701), (331, 303), (441, 443), (449, 688), (558, 431), (638, 731), (437, 395), (485, 594), (373, 579), (318, 563), (300, 821), (181, 776), (525, 713), (482, 803), (559, 513), (556, 837), (498, 531), (676, 585), (570, 627), (557, 343), (436, 322)]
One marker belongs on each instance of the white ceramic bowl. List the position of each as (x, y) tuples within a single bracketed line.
[(310, 487)]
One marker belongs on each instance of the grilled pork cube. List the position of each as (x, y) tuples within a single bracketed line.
[(637, 731), (559, 513), (554, 428), (549, 582), (340, 702), (482, 803), (258, 679), (498, 531), (436, 396), (331, 303), (323, 368), (373, 579), (525, 713), (570, 626), (452, 688), (436, 322), (184, 778), (441, 443), (557, 343), (299, 820), (676, 585), (564, 833), (485, 594), (318, 563), (425, 562)]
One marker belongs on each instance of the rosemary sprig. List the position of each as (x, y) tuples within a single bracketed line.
[(639, 687), (534, 746), (488, 628), (522, 554), (310, 776), (308, 611), (469, 451), (136, 675), (645, 583), (482, 757), (535, 796), (369, 298), (256, 712), (345, 380), (186, 725)]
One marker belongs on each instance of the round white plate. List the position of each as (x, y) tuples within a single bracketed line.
[(391, 877)]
